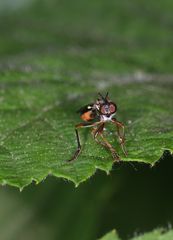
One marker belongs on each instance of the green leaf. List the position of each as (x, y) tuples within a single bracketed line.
[(154, 235), (110, 236), (41, 88), (38, 114)]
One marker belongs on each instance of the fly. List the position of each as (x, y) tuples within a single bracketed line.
[(95, 116)]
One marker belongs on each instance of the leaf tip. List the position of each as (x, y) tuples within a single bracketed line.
[(76, 185)]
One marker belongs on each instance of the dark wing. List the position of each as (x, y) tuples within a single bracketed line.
[(85, 108)]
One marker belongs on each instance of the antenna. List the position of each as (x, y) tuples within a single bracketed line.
[(101, 96), (106, 95), (104, 98)]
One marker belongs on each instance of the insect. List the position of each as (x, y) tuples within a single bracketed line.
[(95, 116)]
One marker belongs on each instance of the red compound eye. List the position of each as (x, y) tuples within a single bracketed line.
[(104, 109), (108, 108), (112, 108)]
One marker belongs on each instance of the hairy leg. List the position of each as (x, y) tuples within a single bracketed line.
[(99, 132), (80, 125), (121, 134)]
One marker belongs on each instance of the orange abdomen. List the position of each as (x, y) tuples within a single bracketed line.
[(87, 116)]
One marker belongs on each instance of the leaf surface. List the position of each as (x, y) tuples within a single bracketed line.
[(110, 236), (47, 74), (154, 235), (37, 126)]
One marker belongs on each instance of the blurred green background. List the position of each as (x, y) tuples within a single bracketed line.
[(114, 36)]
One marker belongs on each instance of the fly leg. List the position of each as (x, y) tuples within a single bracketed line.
[(99, 132), (78, 150), (121, 134)]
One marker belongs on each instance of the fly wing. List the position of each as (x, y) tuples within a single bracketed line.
[(85, 109), (87, 113)]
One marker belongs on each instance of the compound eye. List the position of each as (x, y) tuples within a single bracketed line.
[(104, 109), (112, 108)]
